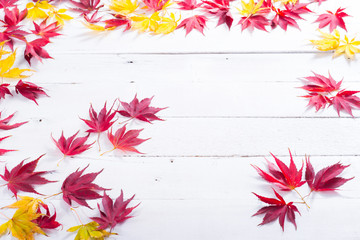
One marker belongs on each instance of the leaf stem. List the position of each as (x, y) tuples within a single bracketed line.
[(52, 195), (5, 216), (98, 138), (308, 194), (72, 209), (61, 160), (126, 120), (107, 151), (302, 198)]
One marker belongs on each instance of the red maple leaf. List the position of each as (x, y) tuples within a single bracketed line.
[(3, 151), (118, 21), (4, 123), (317, 100), (197, 22), (283, 19), (140, 110), (7, 3), (254, 21), (100, 122), (326, 179), (332, 19), (321, 84), (93, 19), (13, 16), (125, 140), (46, 31), (86, 6), (278, 208), (295, 10), (114, 213), (72, 146), (36, 49), (220, 9), (10, 33), (29, 90), (4, 90), (155, 5), (45, 220), (318, 1), (80, 188), (287, 178), (345, 101), (23, 177), (188, 5)]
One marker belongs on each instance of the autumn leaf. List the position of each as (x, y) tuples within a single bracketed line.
[(4, 90), (21, 226), (332, 19), (13, 16), (250, 8), (89, 232), (197, 22), (118, 21), (7, 3), (4, 123), (23, 177), (60, 16), (348, 48), (167, 24), (10, 34), (29, 90), (277, 209), (3, 151), (125, 140), (27, 204), (328, 42), (86, 6), (221, 10), (142, 22), (124, 7), (46, 220), (188, 4), (140, 110), (326, 179), (6, 70), (286, 178), (318, 101), (320, 84), (283, 19), (100, 122), (346, 101), (38, 10), (46, 31), (79, 188), (114, 213), (256, 21), (156, 5), (36, 49)]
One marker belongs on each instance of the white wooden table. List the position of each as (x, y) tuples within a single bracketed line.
[(232, 99)]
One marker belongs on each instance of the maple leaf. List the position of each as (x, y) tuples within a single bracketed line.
[(46, 31), (143, 23), (197, 22), (11, 33), (100, 122), (140, 110), (251, 8), (320, 84), (29, 90), (345, 101), (167, 25), (125, 140), (6, 70), (36, 11), (72, 146), (124, 7), (13, 16), (60, 16), (79, 188), (318, 101), (23, 177), (156, 5), (287, 178), (318, 1), (118, 21), (220, 9), (188, 5), (348, 49), (4, 90), (27, 204), (256, 21), (86, 6), (277, 208), (296, 9), (7, 3), (329, 41), (45, 220), (89, 231), (36, 49), (4, 123), (283, 19), (114, 213), (326, 179), (332, 19), (21, 226), (3, 151)]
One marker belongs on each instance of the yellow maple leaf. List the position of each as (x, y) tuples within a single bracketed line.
[(167, 25), (36, 11), (7, 72), (27, 204), (89, 232), (329, 41), (2, 51), (124, 7), (60, 15), (348, 48), (142, 22), (21, 225), (250, 8)]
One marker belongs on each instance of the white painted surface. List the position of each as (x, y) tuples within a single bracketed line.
[(226, 111)]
